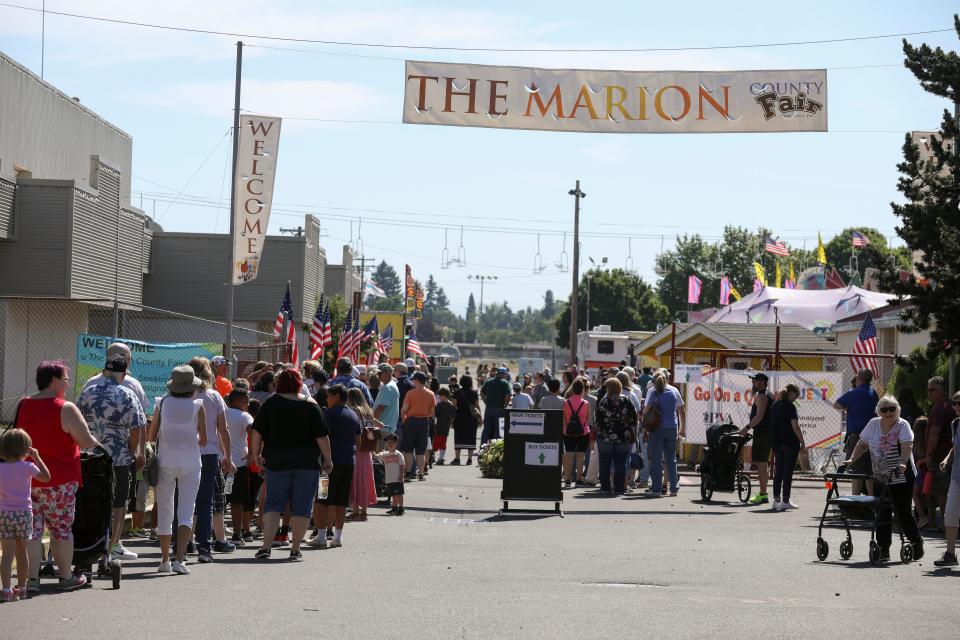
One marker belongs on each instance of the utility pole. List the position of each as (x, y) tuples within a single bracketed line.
[(363, 276), (577, 194), (482, 279), (228, 347)]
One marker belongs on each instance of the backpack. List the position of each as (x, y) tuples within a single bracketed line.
[(574, 426)]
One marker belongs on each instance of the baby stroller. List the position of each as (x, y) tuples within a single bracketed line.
[(858, 510), (722, 468), (93, 517)]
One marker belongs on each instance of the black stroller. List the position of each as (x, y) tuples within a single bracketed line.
[(722, 468), (93, 517), (858, 510)]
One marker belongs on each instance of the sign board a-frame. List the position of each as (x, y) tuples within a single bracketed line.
[(532, 458)]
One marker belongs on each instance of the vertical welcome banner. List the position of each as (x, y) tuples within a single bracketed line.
[(259, 139)]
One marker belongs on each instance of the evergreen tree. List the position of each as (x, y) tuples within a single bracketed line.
[(470, 330), (930, 221), (549, 305), (387, 279), (430, 295)]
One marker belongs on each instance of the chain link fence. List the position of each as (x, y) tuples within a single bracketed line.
[(36, 329)]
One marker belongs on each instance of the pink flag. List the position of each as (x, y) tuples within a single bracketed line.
[(757, 285), (694, 286), (724, 290)]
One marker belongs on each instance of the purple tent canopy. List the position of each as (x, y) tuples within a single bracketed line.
[(815, 310)]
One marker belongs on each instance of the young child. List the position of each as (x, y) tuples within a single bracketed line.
[(393, 467), (443, 413), (16, 510), (238, 424)]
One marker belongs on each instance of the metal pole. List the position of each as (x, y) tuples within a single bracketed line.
[(574, 294), (228, 347), (673, 346), (589, 282), (43, 36)]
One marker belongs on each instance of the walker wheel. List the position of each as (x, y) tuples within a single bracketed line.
[(846, 549), (823, 549), (744, 487), (906, 553), (116, 573), (875, 552), (706, 488)]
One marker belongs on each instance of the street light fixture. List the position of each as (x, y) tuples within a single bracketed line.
[(483, 280)]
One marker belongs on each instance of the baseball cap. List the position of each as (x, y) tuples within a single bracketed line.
[(502, 370), (116, 364), (385, 368), (218, 360), (400, 367)]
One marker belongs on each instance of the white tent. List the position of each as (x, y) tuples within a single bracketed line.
[(815, 310)]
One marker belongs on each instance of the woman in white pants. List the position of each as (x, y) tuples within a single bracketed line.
[(180, 431)]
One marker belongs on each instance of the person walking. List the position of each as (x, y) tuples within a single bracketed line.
[(345, 428), (416, 412), (289, 437), (119, 349), (221, 371), (951, 514), (616, 431), (239, 424), (760, 425), (444, 414), (179, 429), (787, 440), (467, 420), (116, 419), (859, 404), (58, 430), (495, 394), (576, 434), (666, 400), (889, 440)]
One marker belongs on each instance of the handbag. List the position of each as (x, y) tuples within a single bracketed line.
[(652, 419), (151, 470)]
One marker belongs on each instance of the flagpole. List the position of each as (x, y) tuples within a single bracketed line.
[(228, 347)]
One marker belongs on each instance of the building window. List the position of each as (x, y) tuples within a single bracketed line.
[(604, 346)]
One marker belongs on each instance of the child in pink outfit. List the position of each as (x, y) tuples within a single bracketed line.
[(16, 510)]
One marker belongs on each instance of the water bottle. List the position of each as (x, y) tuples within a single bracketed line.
[(228, 484)]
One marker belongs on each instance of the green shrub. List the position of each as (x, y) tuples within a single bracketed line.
[(914, 371), (491, 460)]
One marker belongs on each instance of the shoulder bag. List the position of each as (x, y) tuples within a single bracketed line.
[(651, 419)]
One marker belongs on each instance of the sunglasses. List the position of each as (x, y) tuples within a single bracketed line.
[(956, 403), (887, 410)]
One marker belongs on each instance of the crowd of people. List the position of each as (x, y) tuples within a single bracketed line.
[(291, 450)]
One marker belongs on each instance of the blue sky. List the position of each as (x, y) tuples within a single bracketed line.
[(173, 93)]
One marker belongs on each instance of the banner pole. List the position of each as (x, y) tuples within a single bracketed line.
[(228, 347)]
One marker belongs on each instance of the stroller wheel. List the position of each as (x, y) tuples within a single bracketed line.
[(823, 549), (906, 553), (116, 572), (875, 552), (744, 487), (846, 549), (706, 488)]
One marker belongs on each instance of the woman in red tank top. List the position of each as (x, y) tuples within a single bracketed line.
[(58, 430)]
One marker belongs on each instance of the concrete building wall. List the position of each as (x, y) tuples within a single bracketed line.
[(37, 263), (44, 133)]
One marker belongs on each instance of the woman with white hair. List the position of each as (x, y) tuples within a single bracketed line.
[(889, 440)]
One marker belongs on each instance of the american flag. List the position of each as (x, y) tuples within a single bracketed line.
[(860, 240), (386, 340), (866, 346), (414, 347), (346, 336), (357, 336), (372, 328), (285, 313), (775, 247), (292, 340), (318, 335)]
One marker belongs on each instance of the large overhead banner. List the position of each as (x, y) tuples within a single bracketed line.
[(259, 140), (470, 95)]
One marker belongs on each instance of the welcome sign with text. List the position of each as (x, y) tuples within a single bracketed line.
[(470, 95), (256, 170)]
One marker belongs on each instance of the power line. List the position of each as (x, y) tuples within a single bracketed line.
[(380, 45)]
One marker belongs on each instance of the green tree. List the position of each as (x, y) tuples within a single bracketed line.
[(929, 219), (390, 303), (549, 305), (387, 279), (470, 328), (618, 298), (840, 248)]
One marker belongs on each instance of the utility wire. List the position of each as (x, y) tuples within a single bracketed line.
[(380, 45)]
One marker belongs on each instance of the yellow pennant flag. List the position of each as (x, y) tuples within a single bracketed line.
[(793, 277), (821, 254), (733, 292), (761, 274), (777, 276)]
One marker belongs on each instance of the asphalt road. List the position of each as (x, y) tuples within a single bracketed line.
[(612, 568)]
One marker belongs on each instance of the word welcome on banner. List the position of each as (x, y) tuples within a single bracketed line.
[(259, 140), (470, 95), (151, 362), (725, 395)]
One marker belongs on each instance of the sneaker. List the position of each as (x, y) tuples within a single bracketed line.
[(392, 511), (318, 542), (948, 560), (262, 554), (33, 585), (566, 484), (295, 555), (421, 477), (21, 592), (777, 505), (455, 463), (118, 552), (760, 498), (674, 492), (329, 534), (335, 543), (918, 550), (136, 533), (223, 546), (237, 540), (400, 511), (192, 548), (789, 505), (247, 536), (204, 557), (180, 568), (440, 462), (154, 536), (164, 567), (72, 583), (8, 595)]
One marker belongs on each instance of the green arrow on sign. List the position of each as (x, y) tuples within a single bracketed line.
[(542, 457)]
